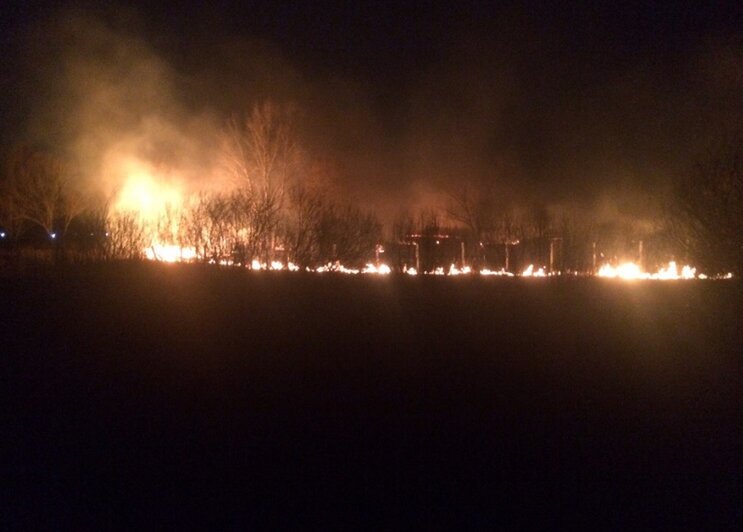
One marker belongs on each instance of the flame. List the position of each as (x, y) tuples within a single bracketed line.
[(274, 266), (453, 270), (148, 195), (529, 272), (170, 253), (502, 273), (382, 269), (626, 270), (145, 195), (631, 271), (335, 267)]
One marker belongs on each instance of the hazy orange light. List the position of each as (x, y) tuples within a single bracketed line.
[(631, 271), (142, 193)]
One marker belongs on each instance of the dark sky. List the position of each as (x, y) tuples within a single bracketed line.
[(552, 100)]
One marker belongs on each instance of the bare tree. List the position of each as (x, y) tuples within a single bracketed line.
[(429, 223), (474, 207), (302, 223), (209, 226), (261, 148), (39, 191), (260, 154), (706, 216), (483, 210), (347, 234), (10, 221), (125, 237), (577, 231), (196, 225), (402, 227)]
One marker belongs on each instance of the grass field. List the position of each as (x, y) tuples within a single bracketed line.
[(161, 394)]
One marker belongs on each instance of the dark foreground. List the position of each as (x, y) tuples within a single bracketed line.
[(174, 395)]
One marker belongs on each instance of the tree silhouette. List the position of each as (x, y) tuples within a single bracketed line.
[(706, 215)]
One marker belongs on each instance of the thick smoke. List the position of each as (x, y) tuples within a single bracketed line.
[(113, 105), (509, 103)]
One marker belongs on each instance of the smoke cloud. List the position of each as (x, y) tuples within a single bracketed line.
[(527, 107)]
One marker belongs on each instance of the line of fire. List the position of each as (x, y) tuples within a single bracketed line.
[(270, 212), (433, 251)]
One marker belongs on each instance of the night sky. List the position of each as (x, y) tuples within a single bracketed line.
[(399, 101)]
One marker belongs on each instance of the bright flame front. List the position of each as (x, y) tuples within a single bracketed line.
[(631, 271)]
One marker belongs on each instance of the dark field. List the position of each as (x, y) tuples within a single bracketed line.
[(159, 395)]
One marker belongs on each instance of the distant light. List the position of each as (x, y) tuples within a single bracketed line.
[(106, 233), (437, 242), (2, 234), (53, 235)]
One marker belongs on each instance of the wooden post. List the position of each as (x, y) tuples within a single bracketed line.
[(462, 246), (552, 255), (417, 258), (594, 258), (508, 255)]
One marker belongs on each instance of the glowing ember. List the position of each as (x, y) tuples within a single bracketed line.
[(529, 272), (144, 195), (628, 271), (501, 273), (335, 267), (274, 266), (453, 270), (631, 271), (170, 253), (382, 269)]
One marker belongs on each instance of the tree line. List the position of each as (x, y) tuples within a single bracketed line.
[(268, 211), (272, 211)]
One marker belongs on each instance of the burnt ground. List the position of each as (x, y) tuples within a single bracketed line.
[(161, 395)]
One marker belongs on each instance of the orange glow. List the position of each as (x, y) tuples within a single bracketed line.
[(500, 273), (631, 271), (144, 194), (382, 269), (169, 253), (453, 270), (530, 272)]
